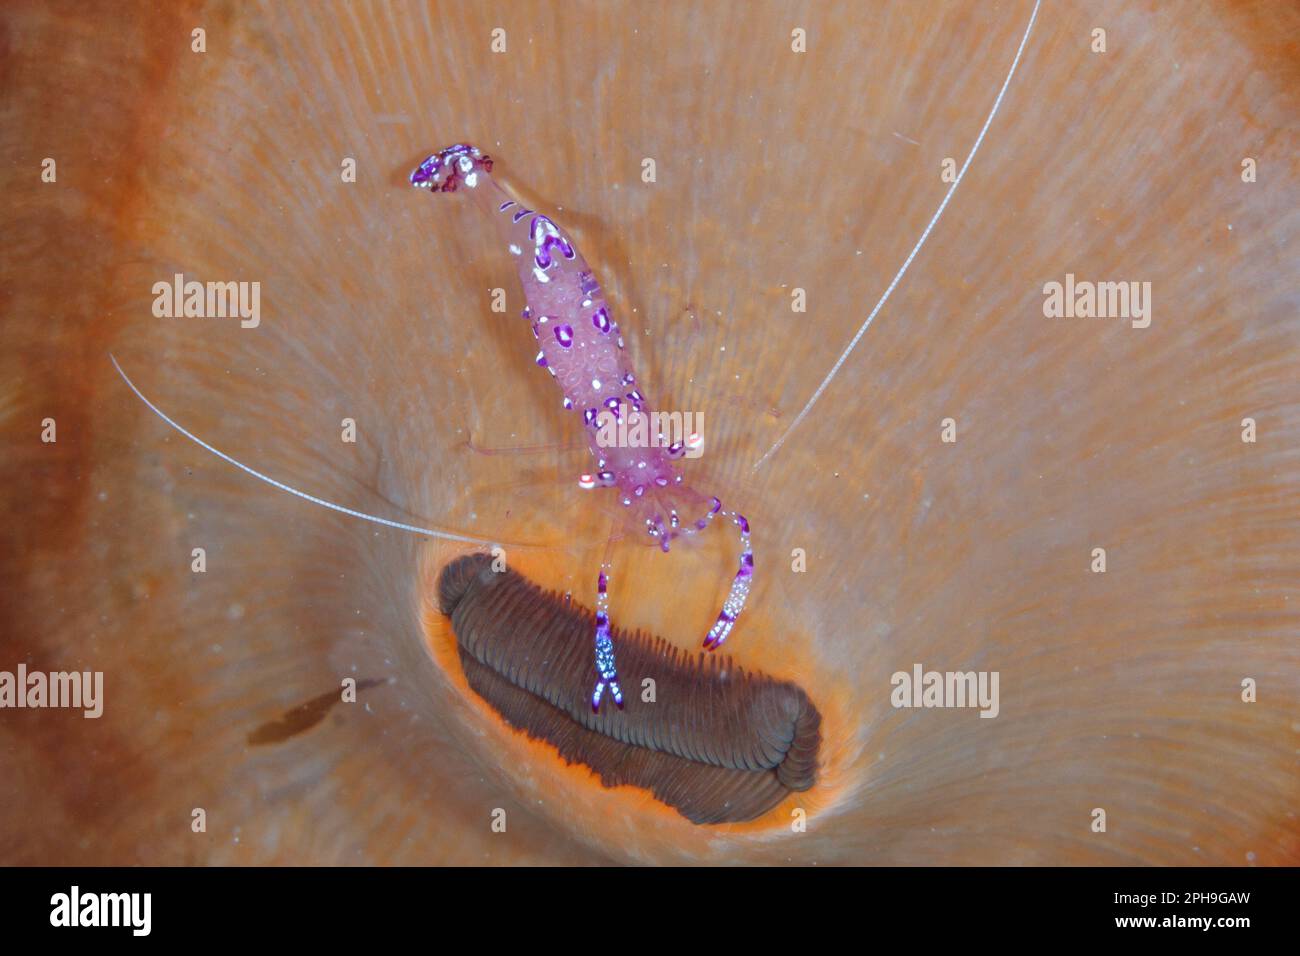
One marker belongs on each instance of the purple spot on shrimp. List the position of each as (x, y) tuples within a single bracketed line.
[(744, 525), (564, 335), (424, 172), (629, 379), (715, 507), (520, 215), (601, 320), (588, 284), (543, 257), (553, 240), (589, 416), (505, 205), (541, 359)]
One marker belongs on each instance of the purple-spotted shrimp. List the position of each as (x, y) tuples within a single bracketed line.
[(581, 346)]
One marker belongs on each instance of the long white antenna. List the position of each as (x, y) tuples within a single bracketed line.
[(445, 535), (911, 255)]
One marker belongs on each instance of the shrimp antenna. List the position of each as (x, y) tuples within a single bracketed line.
[(427, 532), (910, 256)]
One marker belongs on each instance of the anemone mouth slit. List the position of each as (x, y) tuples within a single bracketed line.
[(718, 744)]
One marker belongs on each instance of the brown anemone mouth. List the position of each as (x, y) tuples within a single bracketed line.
[(716, 743)]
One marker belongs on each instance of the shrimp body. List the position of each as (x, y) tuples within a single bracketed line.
[(581, 346)]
